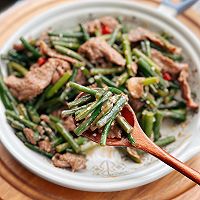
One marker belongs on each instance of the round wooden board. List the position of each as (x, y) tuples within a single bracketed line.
[(17, 183)]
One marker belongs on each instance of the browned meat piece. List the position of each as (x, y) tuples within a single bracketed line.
[(135, 87), (44, 118), (110, 22), (115, 132), (80, 78), (134, 67), (53, 54), (185, 88), (45, 145), (136, 104), (69, 123), (76, 162), (29, 135), (40, 130), (33, 83), (60, 70), (166, 64), (33, 66), (94, 85), (96, 49), (36, 79), (139, 34), (18, 47), (62, 67)]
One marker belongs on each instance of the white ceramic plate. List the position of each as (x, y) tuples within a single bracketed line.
[(106, 169)]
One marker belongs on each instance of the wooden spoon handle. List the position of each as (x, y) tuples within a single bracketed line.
[(171, 161)]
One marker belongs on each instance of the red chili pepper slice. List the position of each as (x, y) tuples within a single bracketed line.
[(105, 29), (167, 76), (41, 60)]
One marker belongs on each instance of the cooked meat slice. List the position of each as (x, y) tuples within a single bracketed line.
[(76, 162), (136, 104), (69, 123), (61, 68), (33, 66), (134, 67), (29, 135), (53, 54), (139, 34), (33, 83), (166, 64), (80, 78), (135, 87), (44, 118), (18, 47), (96, 49), (40, 130), (45, 145), (94, 85), (185, 88), (115, 132), (109, 22)]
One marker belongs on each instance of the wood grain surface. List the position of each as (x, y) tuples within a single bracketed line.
[(17, 183)]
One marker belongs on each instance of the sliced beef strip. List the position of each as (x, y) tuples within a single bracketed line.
[(53, 54), (29, 134), (76, 162), (40, 129), (36, 79), (97, 49), (166, 64), (45, 145), (139, 34), (80, 78), (110, 22), (33, 66), (135, 87), (185, 88), (18, 47), (61, 68), (33, 83), (176, 69), (134, 67), (45, 118), (69, 123)]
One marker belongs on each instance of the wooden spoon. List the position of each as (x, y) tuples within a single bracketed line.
[(142, 142)]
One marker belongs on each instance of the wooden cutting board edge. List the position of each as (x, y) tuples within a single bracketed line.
[(190, 18)]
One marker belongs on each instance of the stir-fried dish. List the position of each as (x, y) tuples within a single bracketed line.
[(62, 84)]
